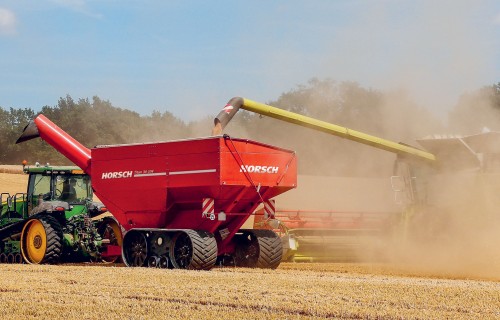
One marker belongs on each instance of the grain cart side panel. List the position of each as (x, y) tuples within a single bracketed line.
[(140, 182), (248, 162), (265, 171)]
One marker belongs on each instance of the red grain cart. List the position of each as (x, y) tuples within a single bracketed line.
[(183, 202)]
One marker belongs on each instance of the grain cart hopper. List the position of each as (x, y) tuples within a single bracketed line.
[(183, 202), (56, 220)]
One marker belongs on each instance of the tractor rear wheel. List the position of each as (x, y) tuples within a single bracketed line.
[(41, 241), (192, 249), (258, 249)]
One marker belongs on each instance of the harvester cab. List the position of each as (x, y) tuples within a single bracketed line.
[(56, 220)]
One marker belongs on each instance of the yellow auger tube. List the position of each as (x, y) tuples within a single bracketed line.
[(326, 127), (236, 103)]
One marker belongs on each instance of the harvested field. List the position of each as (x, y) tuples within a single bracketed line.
[(13, 183), (293, 291), (12, 179)]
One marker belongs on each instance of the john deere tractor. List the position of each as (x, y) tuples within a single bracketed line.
[(56, 220)]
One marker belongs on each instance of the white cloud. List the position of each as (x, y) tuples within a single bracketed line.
[(7, 22)]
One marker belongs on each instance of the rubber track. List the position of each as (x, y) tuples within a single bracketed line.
[(270, 249), (53, 230), (204, 250)]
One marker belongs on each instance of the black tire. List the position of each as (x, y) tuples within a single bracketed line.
[(51, 238), (135, 249), (109, 229), (194, 250), (258, 249)]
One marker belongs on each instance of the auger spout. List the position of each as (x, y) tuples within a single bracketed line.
[(59, 139), (233, 105)]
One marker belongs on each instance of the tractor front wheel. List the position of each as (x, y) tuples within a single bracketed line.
[(41, 241)]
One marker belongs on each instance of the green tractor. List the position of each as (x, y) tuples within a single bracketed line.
[(57, 220)]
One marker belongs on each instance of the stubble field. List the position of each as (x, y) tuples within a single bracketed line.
[(293, 291)]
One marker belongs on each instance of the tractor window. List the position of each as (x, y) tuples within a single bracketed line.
[(41, 186), (72, 188)]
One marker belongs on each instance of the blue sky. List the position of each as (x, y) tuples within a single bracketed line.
[(190, 57)]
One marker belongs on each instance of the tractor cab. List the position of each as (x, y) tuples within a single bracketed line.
[(49, 183), (57, 183)]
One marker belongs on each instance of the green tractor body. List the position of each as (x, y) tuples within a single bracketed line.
[(56, 220)]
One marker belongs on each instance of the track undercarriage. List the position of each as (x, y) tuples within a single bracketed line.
[(198, 250)]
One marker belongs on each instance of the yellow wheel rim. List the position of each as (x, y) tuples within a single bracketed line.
[(117, 231), (35, 241)]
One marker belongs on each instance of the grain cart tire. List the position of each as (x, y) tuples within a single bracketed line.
[(258, 249), (110, 230), (194, 250), (135, 249), (41, 241)]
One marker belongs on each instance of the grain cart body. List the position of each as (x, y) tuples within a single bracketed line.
[(184, 202)]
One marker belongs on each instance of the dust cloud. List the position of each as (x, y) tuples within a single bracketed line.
[(452, 232), (456, 233), (437, 55)]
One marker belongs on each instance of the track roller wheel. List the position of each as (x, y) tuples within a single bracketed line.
[(41, 241), (135, 249), (258, 249), (192, 249), (110, 231)]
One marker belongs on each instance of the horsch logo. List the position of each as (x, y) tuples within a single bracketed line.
[(116, 175), (259, 169)]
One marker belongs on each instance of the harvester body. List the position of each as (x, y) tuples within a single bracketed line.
[(183, 202)]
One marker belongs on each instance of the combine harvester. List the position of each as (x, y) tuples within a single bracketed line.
[(434, 189), (182, 203)]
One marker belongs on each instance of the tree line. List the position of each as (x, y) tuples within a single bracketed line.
[(391, 115)]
